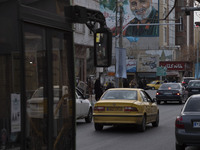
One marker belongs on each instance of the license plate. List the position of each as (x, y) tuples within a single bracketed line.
[(114, 108), (168, 93), (196, 124), (195, 90)]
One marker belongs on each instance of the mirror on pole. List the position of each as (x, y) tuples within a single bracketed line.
[(102, 47)]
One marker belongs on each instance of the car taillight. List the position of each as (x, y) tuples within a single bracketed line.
[(157, 93), (179, 122), (183, 82), (128, 108), (177, 93), (99, 108)]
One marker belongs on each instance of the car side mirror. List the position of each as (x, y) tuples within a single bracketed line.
[(102, 47)]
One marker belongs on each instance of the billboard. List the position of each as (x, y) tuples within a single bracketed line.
[(140, 18)]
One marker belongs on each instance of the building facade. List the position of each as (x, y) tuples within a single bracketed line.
[(84, 51)]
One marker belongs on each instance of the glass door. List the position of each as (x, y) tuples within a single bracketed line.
[(49, 123)]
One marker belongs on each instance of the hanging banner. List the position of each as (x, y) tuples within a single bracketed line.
[(120, 62), (15, 113)]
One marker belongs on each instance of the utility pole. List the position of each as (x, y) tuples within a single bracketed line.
[(121, 37), (198, 59)]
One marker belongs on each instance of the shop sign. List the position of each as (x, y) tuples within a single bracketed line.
[(173, 65)]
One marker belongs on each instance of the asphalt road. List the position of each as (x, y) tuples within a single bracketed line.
[(128, 138)]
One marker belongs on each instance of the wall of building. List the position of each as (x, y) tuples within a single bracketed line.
[(84, 41)]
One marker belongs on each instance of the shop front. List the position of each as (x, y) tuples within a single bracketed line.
[(36, 80), (176, 70)]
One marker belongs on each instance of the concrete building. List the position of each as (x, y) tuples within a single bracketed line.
[(84, 52)]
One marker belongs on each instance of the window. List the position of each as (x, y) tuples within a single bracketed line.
[(80, 28), (124, 94), (192, 105), (145, 96)]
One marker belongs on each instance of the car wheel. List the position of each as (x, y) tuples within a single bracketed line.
[(180, 147), (156, 123), (88, 119), (98, 126), (142, 127)]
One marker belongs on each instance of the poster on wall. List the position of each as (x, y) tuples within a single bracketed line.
[(131, 65), (15, 113), (148, 63), (141, 18)]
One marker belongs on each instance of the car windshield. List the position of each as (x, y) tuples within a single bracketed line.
[(193, 105), (39, 93), (169, 86), (122, 94), (153, 82), (194, 84)]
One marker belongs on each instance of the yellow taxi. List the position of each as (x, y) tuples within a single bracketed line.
[(154, 85), (125, 106)]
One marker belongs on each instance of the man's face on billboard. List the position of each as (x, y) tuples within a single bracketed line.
[(140, 8)]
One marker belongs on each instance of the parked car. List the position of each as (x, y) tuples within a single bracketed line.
[(154, 85), (193, 87), (35, 108), (186, 80), (187, 124), (125, 106), (170, 92)]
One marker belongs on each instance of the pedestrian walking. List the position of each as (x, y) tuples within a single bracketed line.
[(98, 89)]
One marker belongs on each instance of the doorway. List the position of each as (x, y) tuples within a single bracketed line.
[(48, 86)]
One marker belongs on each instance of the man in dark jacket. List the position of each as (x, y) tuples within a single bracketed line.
[(98, 89)]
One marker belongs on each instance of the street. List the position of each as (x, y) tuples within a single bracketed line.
[(118, 138)]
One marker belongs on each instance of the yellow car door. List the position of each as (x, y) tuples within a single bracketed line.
[(152, 107), (147, 106)]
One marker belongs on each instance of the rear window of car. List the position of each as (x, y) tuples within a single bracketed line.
[(187, 80), (39, 93), (193, 105), (169, 86), (194, 84), (122, 94)]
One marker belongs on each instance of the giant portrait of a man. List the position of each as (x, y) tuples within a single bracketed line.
[(140, 17), (145, 19)]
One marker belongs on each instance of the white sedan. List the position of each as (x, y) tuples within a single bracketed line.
[(35, 108)]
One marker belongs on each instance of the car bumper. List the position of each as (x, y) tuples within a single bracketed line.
[(184, 138), (117, 119), (168, 98)]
